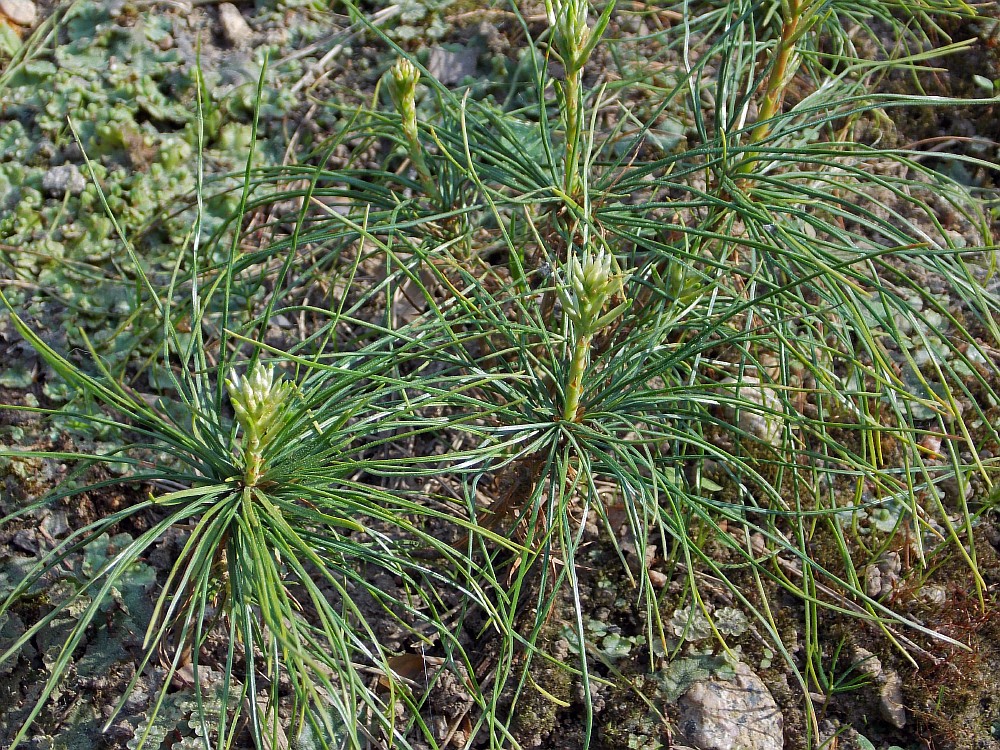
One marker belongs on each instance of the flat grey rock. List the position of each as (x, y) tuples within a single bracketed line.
[(738, 714), (451, 65)]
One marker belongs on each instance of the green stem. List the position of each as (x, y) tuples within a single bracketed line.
[(571, 115), (420, 164), (581, 354), (774, 91), (254, 462)]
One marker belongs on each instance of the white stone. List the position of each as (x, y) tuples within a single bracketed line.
[(235, 29), (873, 581), (756, 419), (934, 594), (21, 12), (738, 714)]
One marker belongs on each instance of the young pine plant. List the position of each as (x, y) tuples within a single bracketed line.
[(282, 483), (283, 535)]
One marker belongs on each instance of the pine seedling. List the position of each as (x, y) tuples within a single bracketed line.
[(401, 81), (590, 284)]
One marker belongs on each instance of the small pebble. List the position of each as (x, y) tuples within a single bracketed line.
[(235, 29), (21, 12), (25, 540), (891, 700), (63, 179), (934, 594), (873, 581), (865, 662)]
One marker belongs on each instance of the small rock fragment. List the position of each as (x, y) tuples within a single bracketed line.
[(54, 523), (890, 703), (756, 418), (450, 66), (727, 714), (873, 581), (882, 577), (121, 730), (657, 579), (934, 594), (955, 488), (137, 700), (21, 12), (235, 29), (64, 179), (26, 541), (865, 662)]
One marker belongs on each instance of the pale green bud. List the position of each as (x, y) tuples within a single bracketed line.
[(591, 282), (405, 76), (402, 84), (260, 403), (572, 39), (568, 21)]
